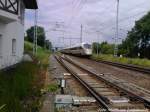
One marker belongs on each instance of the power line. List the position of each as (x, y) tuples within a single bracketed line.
[(102, 24), (124, 19), (73, 10), (120, 21), (78, 7)]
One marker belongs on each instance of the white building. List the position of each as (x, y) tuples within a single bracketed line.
[(12, 30)]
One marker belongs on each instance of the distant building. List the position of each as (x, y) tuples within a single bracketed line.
[(12, 30)]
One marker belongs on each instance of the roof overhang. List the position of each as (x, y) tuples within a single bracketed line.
[(30, 4)]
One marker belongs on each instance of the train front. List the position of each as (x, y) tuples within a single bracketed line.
[(87, 49)]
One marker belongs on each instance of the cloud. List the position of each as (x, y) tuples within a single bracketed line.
[(95, 15)]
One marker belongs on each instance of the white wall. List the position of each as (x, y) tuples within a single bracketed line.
[(2, 26), (11, 29), (14, 30)]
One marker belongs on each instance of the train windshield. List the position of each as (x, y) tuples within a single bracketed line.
[(87, 46)]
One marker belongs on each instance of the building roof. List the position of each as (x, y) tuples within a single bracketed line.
[(30, 4)]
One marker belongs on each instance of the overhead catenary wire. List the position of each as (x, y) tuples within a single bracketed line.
[(120, 21), (107, 22), (123, 19), (77, 6), (75, 11), (107, 8)]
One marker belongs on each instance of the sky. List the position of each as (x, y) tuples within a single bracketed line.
[(63, 19)]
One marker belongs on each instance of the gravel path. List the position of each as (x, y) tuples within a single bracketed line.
[(48, 103), (140, 79)]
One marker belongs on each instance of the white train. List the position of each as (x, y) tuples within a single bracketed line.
[(83, 49)]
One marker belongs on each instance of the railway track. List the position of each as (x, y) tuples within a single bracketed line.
[(126, 66), (104, 89)]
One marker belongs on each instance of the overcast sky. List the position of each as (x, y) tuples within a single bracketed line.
[(98, 18)]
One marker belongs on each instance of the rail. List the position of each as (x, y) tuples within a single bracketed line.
[(98, 97), (116, 83), (126, 66)]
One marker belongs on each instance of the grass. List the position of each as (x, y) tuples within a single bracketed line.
[(16, 85), (132, 61), (20, 87), (1, 107), (52, 87), (42, 54)]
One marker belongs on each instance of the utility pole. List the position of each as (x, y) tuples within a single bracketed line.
[(35, 33), (97, 52), (117, 30), (70, 42), (81, 33), (64, 39)]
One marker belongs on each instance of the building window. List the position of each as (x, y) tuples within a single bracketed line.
[(13, 46), (0, 45)]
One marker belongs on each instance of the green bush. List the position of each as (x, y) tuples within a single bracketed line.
[(52, 87)]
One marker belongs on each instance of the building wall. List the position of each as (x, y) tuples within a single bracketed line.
[(11, 28)]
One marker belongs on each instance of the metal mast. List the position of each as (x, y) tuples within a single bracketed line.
[(35, 33), (81, 33), (97, 51), (117, 30), (63, 39)]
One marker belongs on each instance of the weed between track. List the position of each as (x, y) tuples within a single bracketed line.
[(20, 87), (123, 60)]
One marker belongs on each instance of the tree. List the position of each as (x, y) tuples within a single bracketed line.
[(48, 45), (96, 47), (138, 39), (122, 50), (40, 35), (106, 48)]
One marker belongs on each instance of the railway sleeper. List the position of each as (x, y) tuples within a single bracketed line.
[(106, 97), (115, 83)]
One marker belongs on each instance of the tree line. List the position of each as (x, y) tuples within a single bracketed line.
[(136, 44), (41, 37)]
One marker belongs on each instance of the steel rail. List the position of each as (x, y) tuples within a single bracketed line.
[(137, 97), (102, 101), (126, 66)]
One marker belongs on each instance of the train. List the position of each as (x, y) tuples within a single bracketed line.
[(83, 49)]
